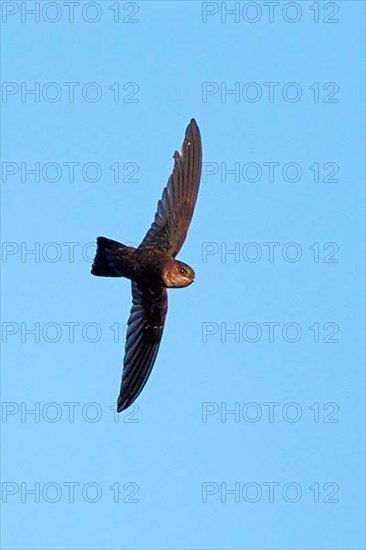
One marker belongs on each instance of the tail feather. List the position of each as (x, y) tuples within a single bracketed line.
[(107, 261)]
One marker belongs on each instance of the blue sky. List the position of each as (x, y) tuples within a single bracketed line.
[(249, 433)]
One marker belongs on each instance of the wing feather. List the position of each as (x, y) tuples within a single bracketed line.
[(144, 331), (175, 209)]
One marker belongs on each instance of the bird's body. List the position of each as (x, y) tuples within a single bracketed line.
[(144, 265), (152, 266)]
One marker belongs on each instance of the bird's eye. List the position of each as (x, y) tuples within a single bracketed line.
[(183, 271)]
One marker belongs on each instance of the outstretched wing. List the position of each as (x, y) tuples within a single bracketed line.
[(175, 209), (144, 332)]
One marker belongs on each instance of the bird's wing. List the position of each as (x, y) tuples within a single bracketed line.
[(175, 209), (144, 332)]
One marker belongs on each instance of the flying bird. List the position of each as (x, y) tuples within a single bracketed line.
[(152, 266)]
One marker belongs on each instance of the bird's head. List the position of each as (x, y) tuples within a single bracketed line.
[(177, 275)]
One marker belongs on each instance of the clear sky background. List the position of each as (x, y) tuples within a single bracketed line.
[(271, 332)]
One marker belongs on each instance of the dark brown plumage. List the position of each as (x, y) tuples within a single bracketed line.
[(152, 267)]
